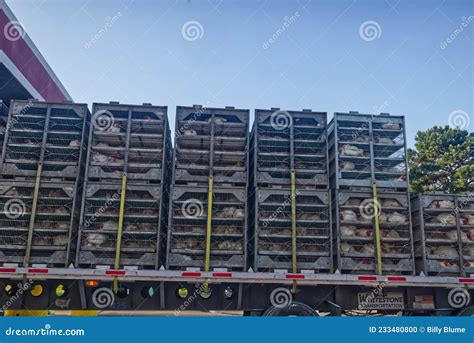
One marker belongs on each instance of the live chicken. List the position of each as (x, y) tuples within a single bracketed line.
[(75, 144), (347, 248), (95, 239), (347, 165), (445, 250), (190, 132), (384, 140), (391, 126), (60, 240), (390, 203), (114, 128), (350, 150), (467, 219), (453, 235), (348, 215), (445, 218), (348, 230), (442, 204), (109, 226)]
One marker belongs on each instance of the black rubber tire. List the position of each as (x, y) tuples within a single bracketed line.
[(466, 311), (293, 309)]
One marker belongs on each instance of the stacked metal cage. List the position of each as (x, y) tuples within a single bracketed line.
[(443, 226), (3, 122), (290, 168), (126, 187), (210, 167), (41, 164), (369, 179)]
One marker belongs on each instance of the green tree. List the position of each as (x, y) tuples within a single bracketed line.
[(443, 160)]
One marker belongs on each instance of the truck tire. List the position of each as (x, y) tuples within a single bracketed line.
[(293, 309), (467, 311)]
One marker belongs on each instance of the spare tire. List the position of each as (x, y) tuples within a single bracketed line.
[(293, 309)]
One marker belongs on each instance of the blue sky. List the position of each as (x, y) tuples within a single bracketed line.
[(319, 58)]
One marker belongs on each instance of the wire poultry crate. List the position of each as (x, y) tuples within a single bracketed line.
[(52, 135), (444, 233), (188, 219), (282, 141), (135, 139), (211, 141), (354, 232), (365, 148), (54, 222), (3, 122), (273, 230), (142, 230)]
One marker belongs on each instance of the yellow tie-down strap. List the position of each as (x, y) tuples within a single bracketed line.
[(207, 260), (293, 226), (119, 229), (377, 229), (31, 224)]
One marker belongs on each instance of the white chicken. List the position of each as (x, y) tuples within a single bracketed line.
[(347, 248), (348, 230), (445, 218), (367, 249), (190, 132), (61, 210), (468, 250), (364, 233), (362, 138), (384, 140), (391, 126), (98, 158), (101, 145), (347, 165), (62, 226), (348, 215), (40, 241), (114, 128), (453, 235), (309, 216), (352, 202), (468, 219), (109, 225), (239, 213), (469, 233), (95, 239), (350, 150), (442, 204), (390, 234), (220, 120), (390, 203), (392, 218), (445, 250), (75, 144), (60, 240)]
